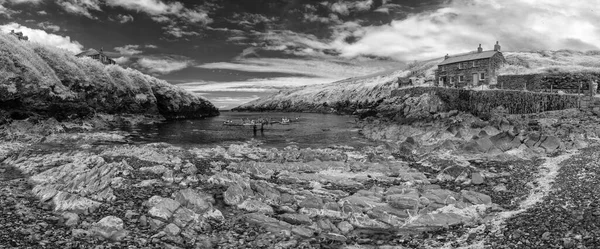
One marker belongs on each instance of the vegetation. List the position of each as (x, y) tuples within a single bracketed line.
[(50, 80)]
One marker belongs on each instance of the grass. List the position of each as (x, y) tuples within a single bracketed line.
[(35, 75)]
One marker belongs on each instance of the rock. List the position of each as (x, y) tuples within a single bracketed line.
[(441, 196), (551, 144), (437, 220), (312, 202), (79, 233), (198, 202), (476, 178), (129, 214), (183, 216), (155, 224), (505, 141), (255, 206), (172, 229), (296, 219), (403, 201), (234, 195), (71, 219), (143, 221), (164, 208), (270, 224), (303, 231), (476, 198), (109, 227), (327, 225)]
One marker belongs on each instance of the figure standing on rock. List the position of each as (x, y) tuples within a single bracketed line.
[(593, 86)]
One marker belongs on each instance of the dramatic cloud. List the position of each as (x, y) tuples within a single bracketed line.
[(129, 50), (163, 64), (41, 36), (49, 26), (462, 25), (80, 7), (161, 11)]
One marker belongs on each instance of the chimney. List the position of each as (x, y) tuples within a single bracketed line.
[(497, 47), (479, 49), (446, 57)]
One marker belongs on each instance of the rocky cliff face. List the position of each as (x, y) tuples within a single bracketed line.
[(47, 81)]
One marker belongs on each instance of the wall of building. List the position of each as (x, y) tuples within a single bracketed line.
[(566, 82), (481, 103), (486, 66)]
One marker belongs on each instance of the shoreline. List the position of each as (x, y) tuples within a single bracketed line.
[(184, 193)]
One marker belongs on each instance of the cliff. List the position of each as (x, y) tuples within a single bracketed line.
[(42, 80)]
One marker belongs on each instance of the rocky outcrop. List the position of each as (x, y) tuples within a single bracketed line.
[(41, 80)]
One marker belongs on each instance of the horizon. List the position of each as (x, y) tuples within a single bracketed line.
[(233, 52)]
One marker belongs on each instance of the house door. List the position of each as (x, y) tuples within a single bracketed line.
[(475, 79)]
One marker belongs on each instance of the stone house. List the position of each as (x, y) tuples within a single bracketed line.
[(97, 55), (470, 69)]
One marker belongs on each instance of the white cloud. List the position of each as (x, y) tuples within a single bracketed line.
[(121, 60), (162, 64), (159, 10), (80, 7), (49, 26), (42, 37), (25, 1), (301, 73), (129, 49), (42, 13), (151, 46), (124, 18), (461, 25)]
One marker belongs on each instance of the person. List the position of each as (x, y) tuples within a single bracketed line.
[(593, 86)]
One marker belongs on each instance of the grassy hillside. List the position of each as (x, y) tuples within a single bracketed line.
[(50, 81), (368, 91)]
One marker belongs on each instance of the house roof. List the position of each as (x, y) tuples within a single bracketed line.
[(89, 52), (469, 56)]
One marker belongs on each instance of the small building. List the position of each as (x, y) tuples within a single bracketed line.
[(470, 69), (97, 55), (19, 35)]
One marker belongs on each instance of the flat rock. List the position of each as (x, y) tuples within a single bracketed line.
[(476, 178), (251, 205), (476, 197), (198, 202), (164, 208), (109, 227), (296, 219)]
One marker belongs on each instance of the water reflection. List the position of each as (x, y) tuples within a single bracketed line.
[(304, 130)]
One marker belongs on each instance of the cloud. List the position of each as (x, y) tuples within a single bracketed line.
[(42, 37), (42, 13), (151, 46), (124, 18), (49, 26), (161, 10), (163, 64), (80, 7), (460, 26), (129, 50), (122, 60), (35, 2)]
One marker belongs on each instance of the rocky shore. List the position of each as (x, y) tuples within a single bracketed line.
[(450, 180)]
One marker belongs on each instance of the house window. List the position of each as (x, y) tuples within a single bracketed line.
[(482, 76), (461, 78), (443, 68)]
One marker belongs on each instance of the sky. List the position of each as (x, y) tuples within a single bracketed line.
[(233, 51)]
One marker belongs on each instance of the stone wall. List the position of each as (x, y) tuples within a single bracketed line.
[(566, 82), (481, 103)]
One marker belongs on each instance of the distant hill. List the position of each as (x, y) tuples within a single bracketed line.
[(42, 80), (351, 94)]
